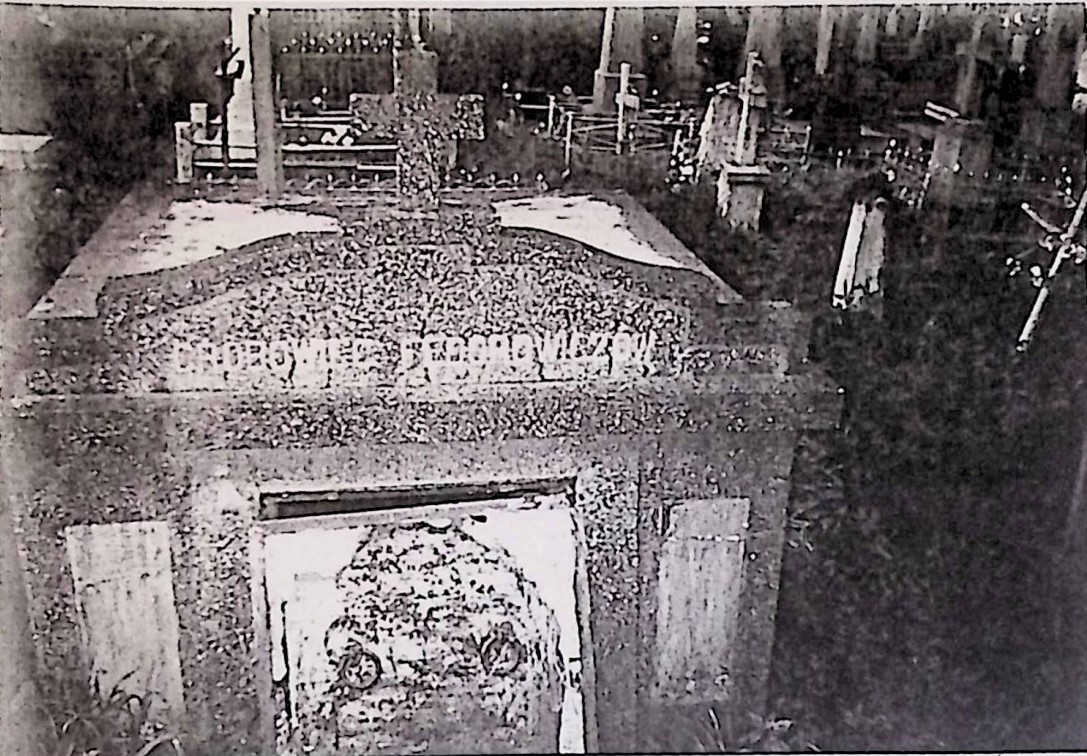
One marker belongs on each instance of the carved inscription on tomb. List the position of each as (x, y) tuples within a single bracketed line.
[(413, 360)]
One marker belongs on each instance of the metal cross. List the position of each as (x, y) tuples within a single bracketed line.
[(1064, 247)]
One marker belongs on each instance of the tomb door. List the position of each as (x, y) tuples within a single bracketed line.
[(439, 629)]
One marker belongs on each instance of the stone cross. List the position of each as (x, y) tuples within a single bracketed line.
[(425, 124)]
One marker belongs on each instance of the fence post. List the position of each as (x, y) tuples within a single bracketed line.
[(621, 102), (183, 151), (550, 115), (569, 146), (198, 117)]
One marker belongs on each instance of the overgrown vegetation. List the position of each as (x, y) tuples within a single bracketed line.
[(925, 595), (928, 602), (116, 723)]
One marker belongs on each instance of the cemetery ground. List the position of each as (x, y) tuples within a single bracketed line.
[(927, 600)]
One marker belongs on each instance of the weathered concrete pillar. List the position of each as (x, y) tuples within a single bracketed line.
[(924, 20), (1056, 64), (269, 154), (824, 41), (867, 35), (966, 89), (765, 32), (627, 44), (893, 21), (686, 76), (241, 115)]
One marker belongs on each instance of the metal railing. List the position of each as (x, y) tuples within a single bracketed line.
[(650, 130)]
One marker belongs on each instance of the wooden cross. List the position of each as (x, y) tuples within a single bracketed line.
[(426, 125), (624, 99)]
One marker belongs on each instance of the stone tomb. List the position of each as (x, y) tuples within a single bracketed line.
[(348, 491)]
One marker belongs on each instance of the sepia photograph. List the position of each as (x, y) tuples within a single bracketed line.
[(539, 378)]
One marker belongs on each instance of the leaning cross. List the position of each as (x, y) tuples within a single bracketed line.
[(425, 124)]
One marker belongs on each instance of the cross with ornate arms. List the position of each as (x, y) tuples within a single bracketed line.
[(425, 124)]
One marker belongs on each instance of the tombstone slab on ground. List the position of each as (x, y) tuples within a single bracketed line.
[(338, 465)]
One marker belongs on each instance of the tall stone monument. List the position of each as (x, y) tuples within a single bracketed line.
[(620, 42), (741, 183), (686, 75), (765, 33)]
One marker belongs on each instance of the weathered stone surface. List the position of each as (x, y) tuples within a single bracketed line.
[(112, 434)]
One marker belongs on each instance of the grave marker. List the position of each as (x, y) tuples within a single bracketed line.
[(1079, 99), (1055, 61), (963, 148), (892, 22), (625, 99), (858, 279), (741, 184), (717, 134)]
